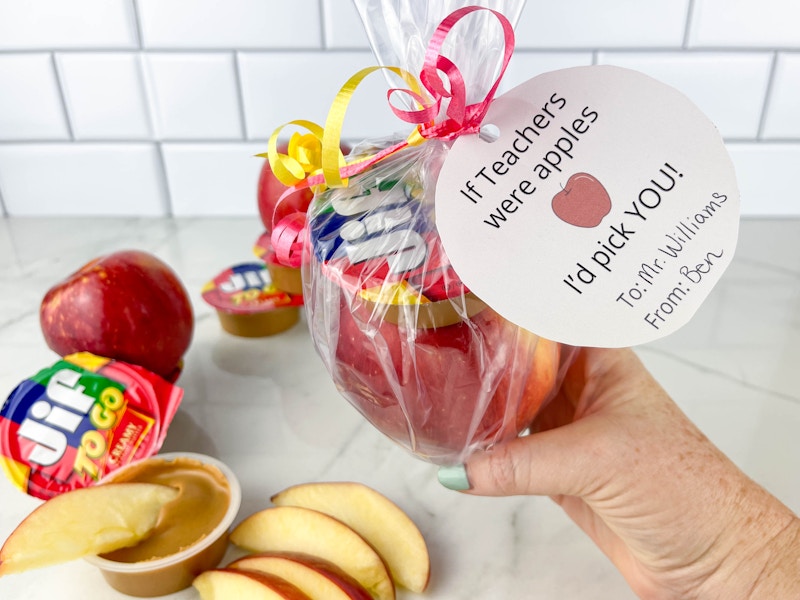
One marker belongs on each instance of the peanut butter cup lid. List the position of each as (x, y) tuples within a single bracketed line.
[(83, 417), (377, 240), (247, 289)]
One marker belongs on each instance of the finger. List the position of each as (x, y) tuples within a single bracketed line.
[(549, 463)]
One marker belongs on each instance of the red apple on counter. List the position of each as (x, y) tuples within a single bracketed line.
[(442, 391), (583, 202), (128, 305), (270, 190)]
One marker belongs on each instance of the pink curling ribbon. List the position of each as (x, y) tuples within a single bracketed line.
[(287, 239), (289, 233)]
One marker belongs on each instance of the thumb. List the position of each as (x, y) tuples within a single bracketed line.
[(549, 463)]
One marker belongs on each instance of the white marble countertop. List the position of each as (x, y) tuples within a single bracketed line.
[(268, 409)]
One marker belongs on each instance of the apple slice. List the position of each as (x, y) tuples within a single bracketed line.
[(234, 584), (312, 575), (376, 518), (295, 529), (85, 521)]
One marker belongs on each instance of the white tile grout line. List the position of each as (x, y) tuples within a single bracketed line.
[(62, 96), (263, 140), (520, 47), (137, 23), (688, 28), (544, 50), (145, 95), (150, 108), (237, 74), (3, 210), (767, 97), (323, 36), (164, 181)]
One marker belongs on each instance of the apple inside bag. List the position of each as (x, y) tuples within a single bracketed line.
[(406, 342), (424, 359)]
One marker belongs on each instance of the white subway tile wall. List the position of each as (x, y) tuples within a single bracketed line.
[(204, 24), (104, 95), (76, 25), (603, 24), (278, 88), (218, 179), (33, 110), (745, 23), (157, 107), (783, 110), (729, 87), (194, 95), (109, 179)]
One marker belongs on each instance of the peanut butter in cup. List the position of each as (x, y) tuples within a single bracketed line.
[(191, 535), (248, 302), (287, 279)]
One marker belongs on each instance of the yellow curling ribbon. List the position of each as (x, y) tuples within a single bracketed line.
[(306, 149), (305, 165), (300, 161), (316, 161), (319, 152), (333, 124)]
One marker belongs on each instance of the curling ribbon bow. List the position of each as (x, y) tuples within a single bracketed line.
[(315, 159)]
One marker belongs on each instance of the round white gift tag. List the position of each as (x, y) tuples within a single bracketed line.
[(602, 214)]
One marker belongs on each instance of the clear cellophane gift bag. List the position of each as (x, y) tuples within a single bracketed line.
[(405, 341)]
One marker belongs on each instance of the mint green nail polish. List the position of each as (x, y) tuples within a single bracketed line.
[(454, 477)]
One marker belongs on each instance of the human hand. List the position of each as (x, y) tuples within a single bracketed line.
[(672, 512)]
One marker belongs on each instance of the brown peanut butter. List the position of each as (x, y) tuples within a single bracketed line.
[(259, 324), (200, 506)]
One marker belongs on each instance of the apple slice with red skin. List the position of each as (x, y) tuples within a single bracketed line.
[(376, 518), (85, 521), (237, 584), (295, 529), (127, 305), (314, 576), (583, 202)]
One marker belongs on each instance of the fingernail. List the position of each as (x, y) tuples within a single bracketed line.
[(454, 478)]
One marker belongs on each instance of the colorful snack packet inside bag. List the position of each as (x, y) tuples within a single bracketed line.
[(83, 417), (424, 359)]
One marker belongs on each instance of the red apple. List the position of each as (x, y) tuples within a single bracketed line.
[(422, 358), (128, 305), (442, 391), (270, 189), (583, 202)]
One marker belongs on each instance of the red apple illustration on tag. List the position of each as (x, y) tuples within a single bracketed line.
[(583, 202)]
